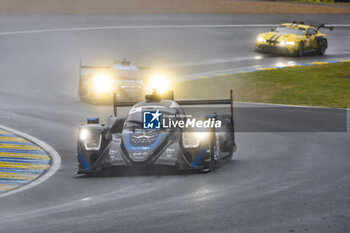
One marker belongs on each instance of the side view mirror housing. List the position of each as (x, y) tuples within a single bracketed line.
[(93, 120), (272, 30), (331, 28), (169, 95)]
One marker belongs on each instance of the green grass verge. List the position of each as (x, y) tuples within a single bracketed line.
[(318, 85)]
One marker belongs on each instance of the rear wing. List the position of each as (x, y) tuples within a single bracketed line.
[(92, 67), (144, 68), (209, 102), (229, 101), (331, 28), (87, 67), (318, 26), (101, 67)]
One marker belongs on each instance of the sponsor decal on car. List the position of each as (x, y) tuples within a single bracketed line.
[(156, 120), (151, 119)]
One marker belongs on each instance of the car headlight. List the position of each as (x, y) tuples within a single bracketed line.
[(260, 39), (102, 83), (284, 43), (193, 139), (90, 139), (160, 82)]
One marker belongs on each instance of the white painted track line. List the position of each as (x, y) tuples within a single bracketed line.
[(48, 30)]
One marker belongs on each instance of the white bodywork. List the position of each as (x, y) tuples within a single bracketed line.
[(125, 80)]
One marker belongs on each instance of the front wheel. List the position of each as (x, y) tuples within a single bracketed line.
[(209, 165), (300, 51)]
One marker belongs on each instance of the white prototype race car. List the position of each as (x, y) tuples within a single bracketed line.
[(98, 83)]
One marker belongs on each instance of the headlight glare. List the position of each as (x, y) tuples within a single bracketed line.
[(284, 43), (83, 134), (102, 83), (160, 82), (260, 39), (90, 139), (193, 139)]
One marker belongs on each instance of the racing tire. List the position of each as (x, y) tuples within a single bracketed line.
[(82, 99), (209, 166), (86, 99), (323, 47), (300, 51)]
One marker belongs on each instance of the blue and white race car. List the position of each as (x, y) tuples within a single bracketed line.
[(153, 133)]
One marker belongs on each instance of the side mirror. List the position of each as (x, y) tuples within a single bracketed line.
[(169, 95), (93, 120), (272, 30), (331, 28), (154, 97)]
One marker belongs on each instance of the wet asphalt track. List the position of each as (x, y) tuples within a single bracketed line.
[(277, 182)]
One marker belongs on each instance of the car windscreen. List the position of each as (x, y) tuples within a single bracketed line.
[(127, 74), (299, 31)]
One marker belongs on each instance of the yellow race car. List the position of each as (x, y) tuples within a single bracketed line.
[(293, 39)]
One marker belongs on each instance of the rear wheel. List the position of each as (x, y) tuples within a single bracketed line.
[(322, 47)]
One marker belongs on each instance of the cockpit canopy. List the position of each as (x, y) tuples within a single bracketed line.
[(297, 31), (136, 115)]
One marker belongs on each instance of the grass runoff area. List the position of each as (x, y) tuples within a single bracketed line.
[(326, 85)]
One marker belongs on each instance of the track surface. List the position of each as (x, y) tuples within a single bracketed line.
[(278, 182)]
